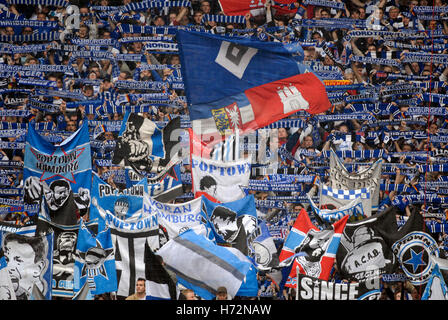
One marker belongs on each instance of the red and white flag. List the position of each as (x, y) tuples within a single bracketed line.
[(260, 106), (314, 250)]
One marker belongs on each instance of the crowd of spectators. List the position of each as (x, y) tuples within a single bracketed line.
[(327, 51)]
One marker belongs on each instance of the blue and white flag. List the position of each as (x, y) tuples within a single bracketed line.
[(239, 62), (354, 209), (178, 217), (197, 261), (262, 249), (60, 174), (232, 222), (159, 284), (129, 238), (26, 262), (341, 198), (164, 187), (122, 203), (144, 146), (436, 288), (220, 180), (94, 261)]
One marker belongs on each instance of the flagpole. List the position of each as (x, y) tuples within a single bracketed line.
[(297, 283)]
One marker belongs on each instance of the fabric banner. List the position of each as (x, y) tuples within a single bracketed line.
[(247, 111), (363, 254), (164, 187), (179, 217), (28, 264), (64, 252), (159, 284), (124, 204), (220, 180), (353, 209), (436, 288), (26, 230), (232, 222), (241, 7), (311, 288), (262, 249), (341, 178), (145, 147), (196, 261), (59, 175), (242, 69), (413, 247), (129, 238), (94, 261), (316, 248), (341, 198)]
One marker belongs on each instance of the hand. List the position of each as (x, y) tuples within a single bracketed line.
[(32, 188)]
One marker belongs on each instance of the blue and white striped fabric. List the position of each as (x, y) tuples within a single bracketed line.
[(342, 194), (228, 150), (197, 260), (223, 18), (340, 198)]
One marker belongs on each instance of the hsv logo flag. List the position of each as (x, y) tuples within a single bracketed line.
[(233, 64), (315, 249), (248, 83)]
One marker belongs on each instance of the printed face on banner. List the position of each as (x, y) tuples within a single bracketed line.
[(230, 218), (314, 245), (60, 174), (221, 180), (28, 264)]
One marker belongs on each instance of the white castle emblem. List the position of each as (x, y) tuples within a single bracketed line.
[(292, 99)]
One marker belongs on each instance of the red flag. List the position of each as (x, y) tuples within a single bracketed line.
[(260, 106), (241, 7)]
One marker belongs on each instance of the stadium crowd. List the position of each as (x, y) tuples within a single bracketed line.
[(327, 51)]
